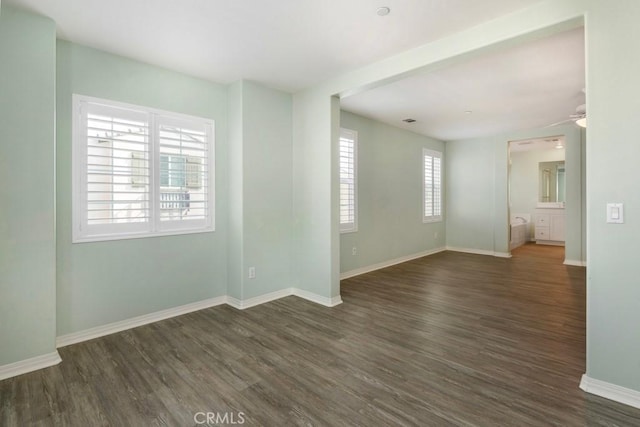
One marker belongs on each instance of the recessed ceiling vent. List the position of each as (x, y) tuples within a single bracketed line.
[(409, 120)]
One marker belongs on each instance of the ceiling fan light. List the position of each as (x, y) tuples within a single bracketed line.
[(582, 122)]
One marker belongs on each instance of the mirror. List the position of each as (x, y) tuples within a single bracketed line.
[(552, 182)]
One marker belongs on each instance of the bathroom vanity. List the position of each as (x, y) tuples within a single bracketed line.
[(549, 226), (549, 215)]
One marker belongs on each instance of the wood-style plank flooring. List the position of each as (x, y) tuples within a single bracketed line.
[(449, 339)]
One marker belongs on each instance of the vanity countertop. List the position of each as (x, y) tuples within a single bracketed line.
[(550, 205)]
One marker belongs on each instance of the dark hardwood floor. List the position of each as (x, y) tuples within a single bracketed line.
[(450, 339)]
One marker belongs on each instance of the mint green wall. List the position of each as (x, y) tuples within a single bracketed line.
[(260, 179), (235, 244), (27, 207), (524, 180), (613, 98), (477, 198), (470, 175), (390, 185), (575, 207), (268, 188), (104, 282), (316, 247), (583, 192)]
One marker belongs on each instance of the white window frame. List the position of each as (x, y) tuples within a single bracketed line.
[(81, 230), (350, 227), (432, 216)]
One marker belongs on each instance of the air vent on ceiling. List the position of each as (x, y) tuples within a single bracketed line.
[(409, 120)]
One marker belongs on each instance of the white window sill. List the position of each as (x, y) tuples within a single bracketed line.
[(128, 236), (432, 220)]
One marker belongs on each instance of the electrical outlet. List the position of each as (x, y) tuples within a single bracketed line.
[(252, 272), (435, 236), (354, 251)]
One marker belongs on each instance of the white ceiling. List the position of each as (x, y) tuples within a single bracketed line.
[(293, 44), (286, 44), (524, 87)]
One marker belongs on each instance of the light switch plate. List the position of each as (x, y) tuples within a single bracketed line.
[(615, 213)]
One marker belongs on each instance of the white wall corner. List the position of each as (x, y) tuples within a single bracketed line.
[(261, 299), (502, 254), (134, 322), (234, 302), (318, 299), (29, 365), (610, 391), (469, 250), (389, 263)]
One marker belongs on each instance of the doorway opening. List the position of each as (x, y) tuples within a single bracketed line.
[(537, 192)]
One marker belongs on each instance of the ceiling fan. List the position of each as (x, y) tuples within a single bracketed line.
[(579, 118)]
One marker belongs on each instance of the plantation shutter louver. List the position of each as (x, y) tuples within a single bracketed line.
[(432, 185), (139, 172), (116, 155), (184, 153), (347, 164)]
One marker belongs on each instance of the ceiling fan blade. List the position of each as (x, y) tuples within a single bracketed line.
[(562, 122)]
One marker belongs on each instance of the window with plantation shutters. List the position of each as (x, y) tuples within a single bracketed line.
[(184, 165), (115, 157), (348, 180), (432, 164), (139, 172)]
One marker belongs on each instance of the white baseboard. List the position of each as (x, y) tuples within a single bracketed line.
[(261, 299), (610, 391), (310, 296), (479, 252), (318, 299), (29, 365), (502, 254), (550, 242), (123, 325), (385, 264), (234, 302), (575, 263)]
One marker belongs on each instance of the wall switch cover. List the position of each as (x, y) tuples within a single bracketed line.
[(615, 213)]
